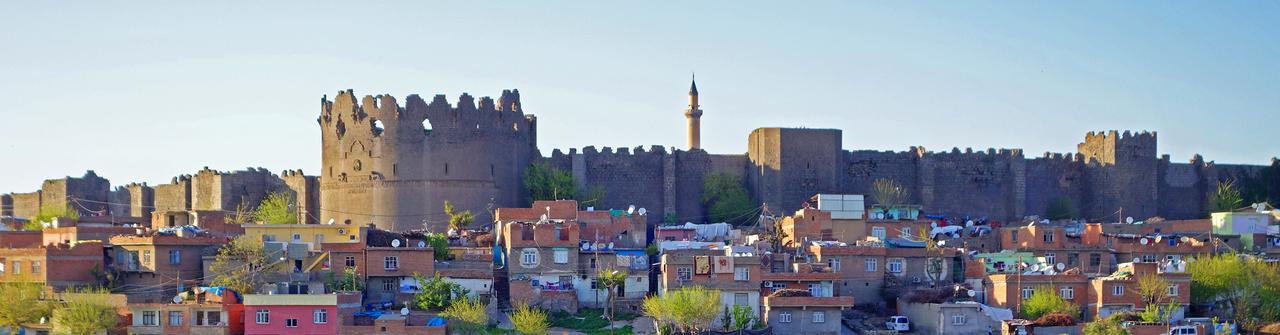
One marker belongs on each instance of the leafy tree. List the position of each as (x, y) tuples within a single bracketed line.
[(726, 199), (437, 293), (467, 316), (1045, 301), (1060, 209), (743, 317), (22, 304), (688, 309), (277, 208), (439, 246), (528, 320), (546, 182), (611, 279), (1225, 198), (1244, 289), (349, 282), (49, 212), (86, 312), (1110, 325), (239, 264), (888, 193), (1151, 288), (458, 220), (242, 214)]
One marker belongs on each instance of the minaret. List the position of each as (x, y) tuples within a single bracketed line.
[(694, 115)]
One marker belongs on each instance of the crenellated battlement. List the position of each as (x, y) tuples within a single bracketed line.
[(376, 116)]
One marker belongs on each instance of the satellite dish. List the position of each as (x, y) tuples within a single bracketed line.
[(631, 209), (972, 293), (642, 211), (1128, 219), (1143, 241), (1185, 239), (1061, 266), (422, 244), (404, 311), (968, 223), (395, 243), (1137, 260), (177, 299), (331, 222), (1158, 238), (933, 224)]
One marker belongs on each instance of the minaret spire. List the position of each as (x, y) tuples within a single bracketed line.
[(694, 115)]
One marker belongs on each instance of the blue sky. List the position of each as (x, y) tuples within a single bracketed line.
[(143, 91)]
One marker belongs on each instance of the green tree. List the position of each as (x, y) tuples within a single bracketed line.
[(22, 304), (467, 316), (238, 265), (277, 208), (349, 281), (1225, 198), (87, 311), (611, 279), (49, 212), (1045, 301), (439, 246), (1110, 325), (528, 320), (1060, 209), (743, 317), (458, 220), (687, 309), (1151, 288), (726, 199), (437, 293), (1243, 288), (546, 182), (888, 193)]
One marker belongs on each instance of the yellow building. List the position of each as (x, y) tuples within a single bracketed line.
[(311, 234)]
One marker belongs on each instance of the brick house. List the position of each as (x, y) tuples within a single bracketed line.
[(59, 266), (735, 271), (612, 240), (861, 267), (161, 262), (201, 311), (1008, 290), (311, 314), (387, 261), (541, 256), (805, 315), (1118, 292)]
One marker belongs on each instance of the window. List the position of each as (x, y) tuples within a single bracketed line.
[(1050, 258), (351, 261), (819, 317), (263, 317), (391, 263), (1048, 237), (1073, 259), (741, 274), (684, 273), (815, 289), (529, 257), (1027, 292), (895, 265), (150, 318), (297, 237), (1067, 292), (1172, 290), (146, 257), (1117, 290), (35, 266), (175, 318), (1149, 258), (1013, 235), (291, 323), (878, 232), (870, 264), (208, 318), (905, 231), (834, 263), (1095, 260), (561, 235), (740, 299), (319, 239), (526, 232), (389, 285), (17, 267), (320, 316), (175, 256), (268, 238), (959, 319), (561, 255), (784, 317)]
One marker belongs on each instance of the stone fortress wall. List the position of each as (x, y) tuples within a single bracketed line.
[(393, 164)]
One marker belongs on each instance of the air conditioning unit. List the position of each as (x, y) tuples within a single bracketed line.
[(342, 231), (768, 284), (915, 279)]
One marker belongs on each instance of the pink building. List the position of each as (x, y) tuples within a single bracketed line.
[(293, 314)]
